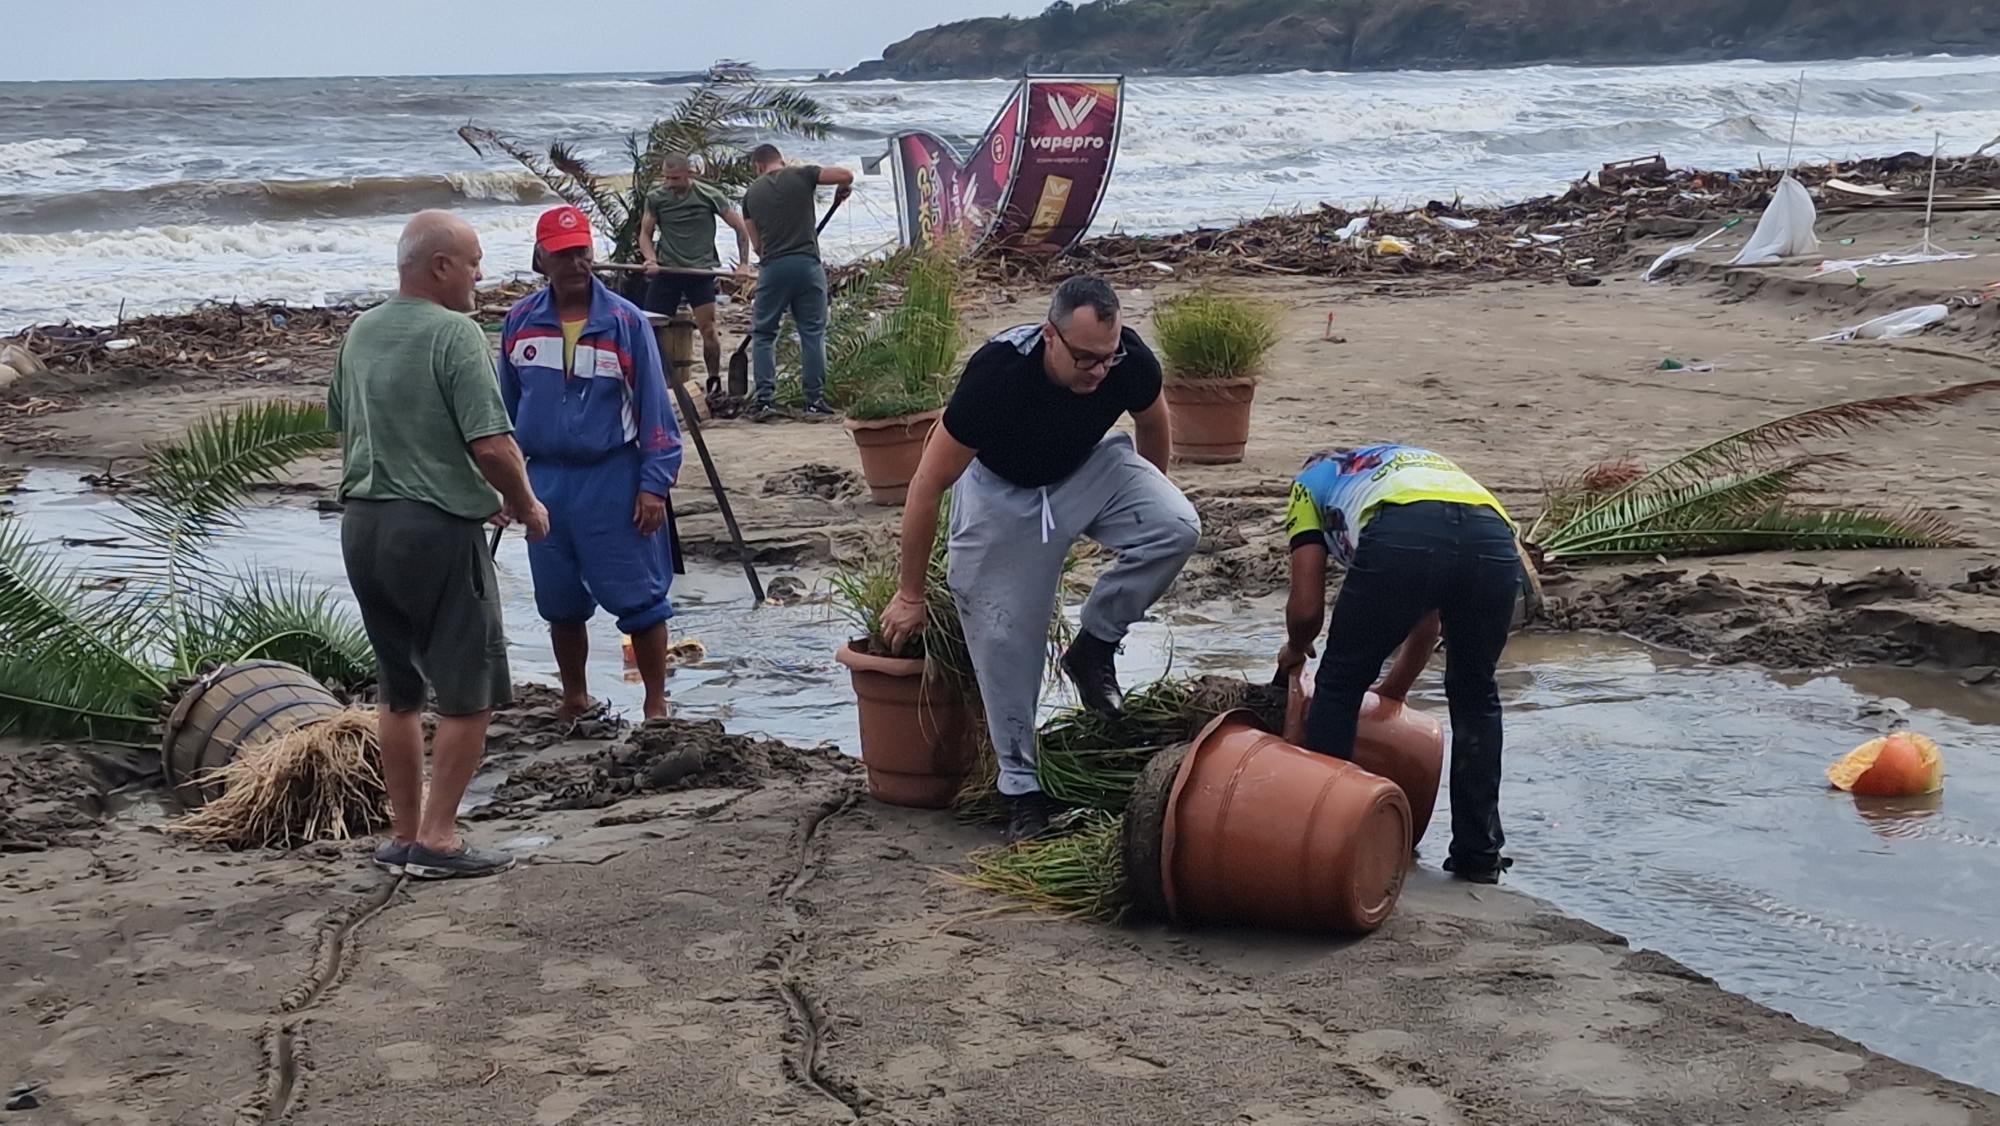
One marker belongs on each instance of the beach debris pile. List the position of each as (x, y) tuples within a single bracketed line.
[(1577, 234)]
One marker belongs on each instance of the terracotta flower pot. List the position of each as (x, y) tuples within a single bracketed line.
[(890, 449), (1211, 419), (915, 740), (1254, 830), (1394, 740)]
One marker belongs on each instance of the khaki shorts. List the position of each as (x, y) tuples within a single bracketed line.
[(431, 604)]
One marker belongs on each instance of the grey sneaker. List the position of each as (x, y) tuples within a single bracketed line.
[(464, 862), (391, 855)]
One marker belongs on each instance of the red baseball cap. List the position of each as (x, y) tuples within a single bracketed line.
[(562, 228)]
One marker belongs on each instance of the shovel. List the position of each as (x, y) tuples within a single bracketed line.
[(739, 360)]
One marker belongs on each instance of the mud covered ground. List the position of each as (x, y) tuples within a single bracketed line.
[(791, 953)]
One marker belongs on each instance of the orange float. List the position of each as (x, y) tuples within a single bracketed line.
[(1901, 765)]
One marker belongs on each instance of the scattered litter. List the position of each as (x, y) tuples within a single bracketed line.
[(1458, 224), (1353, 229), (1671, 364), (1658, 268), (1545, 240), (1894, 326), (1390, 244), (120, 345), (1785, 231), (1912, 258), (1584, 281), (1162, 267)]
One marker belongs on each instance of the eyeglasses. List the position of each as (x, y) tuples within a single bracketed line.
[(1088, 360)]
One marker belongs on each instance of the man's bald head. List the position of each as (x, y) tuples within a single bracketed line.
[(676, 171), (437, 259)]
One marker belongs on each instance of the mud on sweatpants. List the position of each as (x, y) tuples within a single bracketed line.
[(1008, 544)]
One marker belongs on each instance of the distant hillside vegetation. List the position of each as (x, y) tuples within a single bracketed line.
[(1251, 36)]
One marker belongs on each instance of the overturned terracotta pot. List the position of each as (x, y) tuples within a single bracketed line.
[(1241, 827), (915, 738), (1393, 739)]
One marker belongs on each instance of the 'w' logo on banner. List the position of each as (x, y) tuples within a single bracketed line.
[(1070, 115)]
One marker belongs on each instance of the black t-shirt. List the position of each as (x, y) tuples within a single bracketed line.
[(1031, 430)]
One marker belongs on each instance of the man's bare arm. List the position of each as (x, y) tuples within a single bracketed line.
[(646, 228), (737, 223), (1153, 428), (500, 462)]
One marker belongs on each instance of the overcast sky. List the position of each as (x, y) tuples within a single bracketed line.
[(233, 38)]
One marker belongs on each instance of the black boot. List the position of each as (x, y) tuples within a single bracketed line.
[(1027, 816), (1092, 666)]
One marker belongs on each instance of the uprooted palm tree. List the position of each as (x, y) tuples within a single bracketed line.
[(94, 657), (1739, 493), (711, 126)]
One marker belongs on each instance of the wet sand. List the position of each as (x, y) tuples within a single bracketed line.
[(791, 952)]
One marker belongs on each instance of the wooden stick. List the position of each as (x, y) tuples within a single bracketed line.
[(686, 402), (640, 268)]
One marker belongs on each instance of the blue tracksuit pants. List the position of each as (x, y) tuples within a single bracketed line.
[(594, 555)]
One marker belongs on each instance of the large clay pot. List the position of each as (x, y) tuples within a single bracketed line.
[(1257, 831), (1393, 739), (234, 707), (1211, 420), (890, 450), (915, 740)]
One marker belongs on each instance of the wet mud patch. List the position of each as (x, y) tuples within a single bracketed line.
[(814, 479), (1881, 617), (662, 756), (48, 794)]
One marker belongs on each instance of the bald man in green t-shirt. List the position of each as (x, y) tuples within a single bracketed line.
[(678, 233)]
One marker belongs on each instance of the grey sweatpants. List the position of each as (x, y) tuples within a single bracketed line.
[(1008, 544)]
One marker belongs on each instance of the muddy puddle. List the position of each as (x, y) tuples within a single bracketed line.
[(1681, 804)]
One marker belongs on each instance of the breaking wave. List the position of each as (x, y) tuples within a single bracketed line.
[(241, 201), (40, 157)]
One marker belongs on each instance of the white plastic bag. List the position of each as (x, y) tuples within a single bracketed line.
[(1353, 229), (1786, 230), (1894, 326)]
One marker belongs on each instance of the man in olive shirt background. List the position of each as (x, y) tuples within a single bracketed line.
[(428, 454), (678, 232), (783, 231)]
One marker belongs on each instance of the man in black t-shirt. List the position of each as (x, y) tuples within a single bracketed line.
[(1027, 449)]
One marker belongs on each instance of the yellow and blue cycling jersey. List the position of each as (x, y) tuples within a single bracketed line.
[(1336, 498)]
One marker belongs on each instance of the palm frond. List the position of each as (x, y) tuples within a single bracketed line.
[(1785, 529), (49, 625), (1611, 527), (1835, 420), (282, 618), (607, 209), (480, 139), (78, 694)]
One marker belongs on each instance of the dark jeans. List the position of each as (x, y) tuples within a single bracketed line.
[(1459, 560), (794, 283)]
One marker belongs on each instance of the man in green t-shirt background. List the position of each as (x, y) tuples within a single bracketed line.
[(677, 232), (427, 455)]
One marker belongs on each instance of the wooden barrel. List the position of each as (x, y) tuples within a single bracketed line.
[(234, 707), (676, 336)]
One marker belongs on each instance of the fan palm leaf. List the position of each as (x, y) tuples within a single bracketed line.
[(282, 618)]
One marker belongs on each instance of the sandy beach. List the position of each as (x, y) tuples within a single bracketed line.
[(779, 948)]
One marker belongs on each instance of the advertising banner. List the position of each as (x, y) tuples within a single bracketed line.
[(1036, 180), (1069, 142)]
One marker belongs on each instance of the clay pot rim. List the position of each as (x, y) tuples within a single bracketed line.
[(852, 656), (1183, 383), (1169, 830), (890, 423)]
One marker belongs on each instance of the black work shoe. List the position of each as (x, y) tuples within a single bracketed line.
[(463, 862), (765, 412), (1092, 666), (392, 854), (821, 409), (1027, 816), (1478, 874)]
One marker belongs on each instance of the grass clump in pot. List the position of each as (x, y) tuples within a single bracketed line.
[(1209, 336), (908, 363), (1091, 761)]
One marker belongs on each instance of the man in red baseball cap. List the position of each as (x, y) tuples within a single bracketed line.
[(581, 376)]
